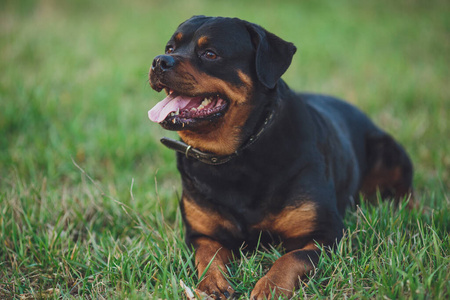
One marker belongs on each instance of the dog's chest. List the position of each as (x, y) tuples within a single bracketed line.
[(236, 210)]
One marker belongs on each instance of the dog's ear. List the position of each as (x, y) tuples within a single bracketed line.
[(273, 55)]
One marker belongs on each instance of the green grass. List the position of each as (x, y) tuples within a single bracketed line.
[(88, 196)]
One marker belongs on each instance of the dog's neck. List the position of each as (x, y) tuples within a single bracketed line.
[(212, 158)]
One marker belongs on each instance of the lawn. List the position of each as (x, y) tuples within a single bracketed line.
[(89, 197)]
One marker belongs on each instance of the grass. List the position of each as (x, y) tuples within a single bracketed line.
[(88, 196)]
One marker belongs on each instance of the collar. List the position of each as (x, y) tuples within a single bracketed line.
[(211, 158)]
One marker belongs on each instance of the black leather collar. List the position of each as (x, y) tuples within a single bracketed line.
[(211, 158)]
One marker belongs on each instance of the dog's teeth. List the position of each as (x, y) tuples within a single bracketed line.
[(193, 109), (206, 101), (173, 121), (200, 106), (177, 112)]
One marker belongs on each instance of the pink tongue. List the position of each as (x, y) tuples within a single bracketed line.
[(170, 104)]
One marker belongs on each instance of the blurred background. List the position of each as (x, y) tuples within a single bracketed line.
[(78, 153), (74, 90)]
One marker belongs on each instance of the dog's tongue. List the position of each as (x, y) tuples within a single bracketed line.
[(170, 104)]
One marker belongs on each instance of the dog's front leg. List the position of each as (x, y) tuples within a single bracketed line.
[(211, 259), (284, 276)]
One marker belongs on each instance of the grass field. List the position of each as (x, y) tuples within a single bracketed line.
[(89, 198)]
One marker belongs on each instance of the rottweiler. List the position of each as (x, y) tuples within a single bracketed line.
[(261, 164)]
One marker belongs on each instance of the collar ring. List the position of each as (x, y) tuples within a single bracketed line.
[(187, 151)]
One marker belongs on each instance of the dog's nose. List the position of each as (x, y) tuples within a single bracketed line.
[(163, 63)]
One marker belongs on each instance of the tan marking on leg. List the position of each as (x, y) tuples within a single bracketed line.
[(383, 179), (211, 259), (380, 178), (286, 272), (291, 222), (202, 220)]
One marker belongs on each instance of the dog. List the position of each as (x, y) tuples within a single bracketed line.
[(261, 164)]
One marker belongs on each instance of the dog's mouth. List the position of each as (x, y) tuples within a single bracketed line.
[(177, 111)]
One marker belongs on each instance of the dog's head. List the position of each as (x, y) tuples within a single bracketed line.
[(211, 71)]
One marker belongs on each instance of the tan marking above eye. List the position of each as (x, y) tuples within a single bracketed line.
[(178, 36), (202, 41)]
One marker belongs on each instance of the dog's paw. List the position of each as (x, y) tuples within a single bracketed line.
[(266, 288), (215, 286)]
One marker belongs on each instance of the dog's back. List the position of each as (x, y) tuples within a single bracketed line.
[(379, 161)]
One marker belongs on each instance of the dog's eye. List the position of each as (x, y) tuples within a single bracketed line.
[(210, 55), (169, 49)]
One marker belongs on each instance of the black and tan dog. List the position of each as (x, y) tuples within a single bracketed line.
[(259, 162)]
